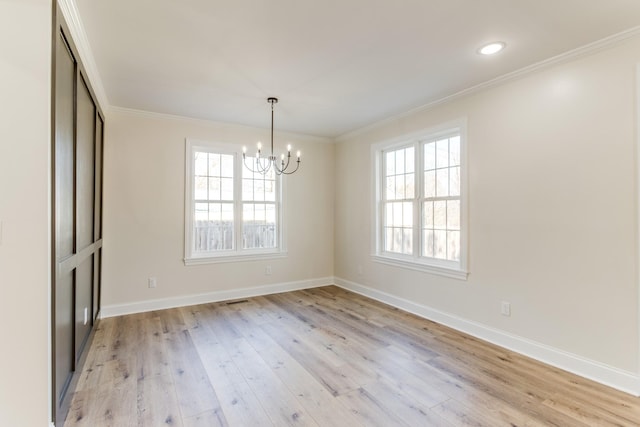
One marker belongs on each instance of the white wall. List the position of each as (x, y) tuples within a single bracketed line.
[(25, 82), (552, 208), (144, 212)]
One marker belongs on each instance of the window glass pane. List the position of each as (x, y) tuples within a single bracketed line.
[(442, 182), (430, 156), (248, 213), (430, 184), (427, 243), (397, 240), (226, 190), (388, 218), (390, 162), (200, 190), (427, 215), (440, 214), (270, 191), (397, 215), (453, 214), (440, 244), (214, 164), (454, 151), (400, 162), (442, 153), (454, 181), (400, 187), (227, 213), (409, 163), (409, 186), (407, 241), (202, 212), (200, 163), (258, 190), (271, 214), (391, 188), (407, 214), (260, 213), (247, 189), (214, 189), (226, 165), (453, 245)]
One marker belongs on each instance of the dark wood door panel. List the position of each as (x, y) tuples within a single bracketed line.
[(85, 166), (64, 151), (83, 311), (64, 335)]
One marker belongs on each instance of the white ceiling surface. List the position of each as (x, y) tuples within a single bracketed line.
[(336, 65)]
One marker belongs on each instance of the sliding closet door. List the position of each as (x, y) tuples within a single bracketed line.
[(85, 203), (77, 217), (97, 231), (64, 176)]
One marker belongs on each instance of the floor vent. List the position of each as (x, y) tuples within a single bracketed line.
[(237, 302)]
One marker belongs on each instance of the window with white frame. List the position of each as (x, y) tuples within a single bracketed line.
[(420, 200), (231, 213)]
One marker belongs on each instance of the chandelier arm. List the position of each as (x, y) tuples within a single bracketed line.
[(289, 173), (244, 160), (261, 169), (285, 166)]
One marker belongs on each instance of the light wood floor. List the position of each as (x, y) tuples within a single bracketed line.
[(321, 357)]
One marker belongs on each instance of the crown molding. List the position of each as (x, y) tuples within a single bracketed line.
[(72, 16), (579, 52)]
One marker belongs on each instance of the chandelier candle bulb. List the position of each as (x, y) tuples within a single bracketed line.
[(289, 148), (298, 155)]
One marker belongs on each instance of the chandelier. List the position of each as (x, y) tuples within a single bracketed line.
[(263, 165)]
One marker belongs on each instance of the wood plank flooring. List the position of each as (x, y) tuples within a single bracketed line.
[(321, 357)]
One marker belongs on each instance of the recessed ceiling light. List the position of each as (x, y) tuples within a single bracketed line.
[(491, 48)]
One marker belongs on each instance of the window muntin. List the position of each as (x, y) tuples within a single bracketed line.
[(231, 213), (420, 211)]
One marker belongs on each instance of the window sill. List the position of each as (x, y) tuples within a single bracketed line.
[(233, 258), (417, 266)]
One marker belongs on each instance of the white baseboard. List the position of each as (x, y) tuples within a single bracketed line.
[(627, 382), (181, 301)]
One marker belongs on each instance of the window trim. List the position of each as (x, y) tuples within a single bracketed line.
[(237, 254), (416, 261)]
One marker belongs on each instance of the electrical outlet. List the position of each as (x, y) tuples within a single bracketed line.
[(152, 282), (267, 270), (505, 308)]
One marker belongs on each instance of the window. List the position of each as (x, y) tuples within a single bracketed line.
[(231, 213), (420, 200)]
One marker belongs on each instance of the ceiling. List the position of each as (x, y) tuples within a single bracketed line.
[(336, 65)]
